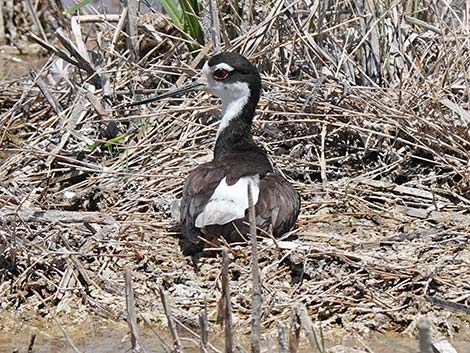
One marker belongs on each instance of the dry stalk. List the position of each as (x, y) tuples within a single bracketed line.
[(131, 312), (227, 304), (31, 343), (214, 25), (170, 319), (309, 330), (204, 329), (256, 298), (131, 27), (424, 332), (294, 332)]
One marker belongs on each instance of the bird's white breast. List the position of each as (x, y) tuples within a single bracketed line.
[(228, 202)]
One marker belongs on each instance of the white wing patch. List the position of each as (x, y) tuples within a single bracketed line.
[(228, 202)]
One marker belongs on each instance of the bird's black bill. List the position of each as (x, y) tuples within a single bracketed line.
[(196, 85)]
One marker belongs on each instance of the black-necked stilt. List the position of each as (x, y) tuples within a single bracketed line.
[(214, 201)]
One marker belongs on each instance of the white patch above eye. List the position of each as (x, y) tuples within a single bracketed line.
[(224, 66), (228, 202)]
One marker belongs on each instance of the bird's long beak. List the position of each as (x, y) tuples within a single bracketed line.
[(194, 86)]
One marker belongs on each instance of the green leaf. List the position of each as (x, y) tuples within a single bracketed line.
[(114, 140), (191, 20), (107, 143), (185, 16), (171, 8), (76, 7)]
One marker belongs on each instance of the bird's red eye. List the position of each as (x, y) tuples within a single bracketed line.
[(220, 74)]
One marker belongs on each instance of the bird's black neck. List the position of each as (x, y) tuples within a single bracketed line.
[(234, 135), (235, 138)]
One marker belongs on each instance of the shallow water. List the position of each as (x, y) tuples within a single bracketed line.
[(113, 337)]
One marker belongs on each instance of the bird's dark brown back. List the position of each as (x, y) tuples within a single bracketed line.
[(277, 206)]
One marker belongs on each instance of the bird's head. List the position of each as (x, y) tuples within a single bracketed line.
[(227, 75)]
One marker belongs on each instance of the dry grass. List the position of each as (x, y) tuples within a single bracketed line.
[(365, 110)]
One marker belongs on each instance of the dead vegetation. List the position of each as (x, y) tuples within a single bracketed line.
[(365, 109)]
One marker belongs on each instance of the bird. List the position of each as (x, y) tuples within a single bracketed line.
[(214, 200)]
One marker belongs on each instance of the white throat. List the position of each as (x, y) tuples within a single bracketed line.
[(234, 97)]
